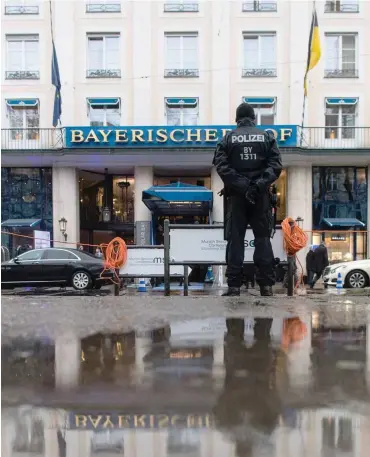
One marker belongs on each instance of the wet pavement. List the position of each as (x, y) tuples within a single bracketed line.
[(201, 376)]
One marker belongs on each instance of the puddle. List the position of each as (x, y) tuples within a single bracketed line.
[(216, 387)]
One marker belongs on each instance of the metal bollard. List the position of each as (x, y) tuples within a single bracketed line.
[(186, 280), (290, 276), (166, 236)]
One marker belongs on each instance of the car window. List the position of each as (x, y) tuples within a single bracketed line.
[(87, 256), (58, 254), (30, 255)]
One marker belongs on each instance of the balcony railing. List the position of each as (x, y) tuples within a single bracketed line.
[(181, 7), (26, 74), (181, 73), (334, 137), (341, 73), (341, 7), (325, 138), (21, 9), (260, 7), (259, 72), (31, 139), (94, 73), (103, 8)]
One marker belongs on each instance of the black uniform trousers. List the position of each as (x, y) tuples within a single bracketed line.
[(240, 214)]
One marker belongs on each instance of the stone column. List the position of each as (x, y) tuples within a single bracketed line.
[(218, 202), (67, 362), (66, 204), (299, 201), (143, 217), (78, 443)]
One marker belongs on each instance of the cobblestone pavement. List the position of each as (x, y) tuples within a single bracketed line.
[(50, 316)]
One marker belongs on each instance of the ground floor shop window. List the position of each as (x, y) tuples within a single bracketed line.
[(343, 246), (123, 198), (281, 194)]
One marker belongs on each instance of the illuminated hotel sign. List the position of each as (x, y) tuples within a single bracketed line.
[(114, 421), (164, 137)]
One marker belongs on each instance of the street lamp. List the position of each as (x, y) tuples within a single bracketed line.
[(299, 221), (63, 227)]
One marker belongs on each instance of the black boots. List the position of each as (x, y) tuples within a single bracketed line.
[(232, 292), (266, 291)]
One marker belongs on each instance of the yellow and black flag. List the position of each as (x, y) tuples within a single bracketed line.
[(314, 48)]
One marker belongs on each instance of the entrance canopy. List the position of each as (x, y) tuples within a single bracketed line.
[(24, 223), (344, 222), (179, 199)]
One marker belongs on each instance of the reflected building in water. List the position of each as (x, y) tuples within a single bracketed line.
[(281, 387)]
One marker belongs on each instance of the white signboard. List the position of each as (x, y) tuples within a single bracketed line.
[(208, 245), (42, 239), (147, 263)]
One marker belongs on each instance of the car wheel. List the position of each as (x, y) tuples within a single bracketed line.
[(356, 279), (81, 280)]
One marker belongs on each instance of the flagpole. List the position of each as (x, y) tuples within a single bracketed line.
[(305, 82), (51, 22)]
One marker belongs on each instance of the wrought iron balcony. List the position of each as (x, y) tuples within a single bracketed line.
[(334, 138), (21, 9), (24, 74), (31, 139), (181, 73), (103, 8), (259, 72), (181, 7), (341, 7), (341, 73), (103, 74), (260, 7)]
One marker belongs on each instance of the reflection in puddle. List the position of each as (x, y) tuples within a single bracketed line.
[(221, 387)]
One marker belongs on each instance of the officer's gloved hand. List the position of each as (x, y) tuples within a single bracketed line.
[(251, 194)]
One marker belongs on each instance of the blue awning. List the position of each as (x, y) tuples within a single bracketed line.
[(344, 222), (341, 101), (179, 198), (259, 100), (21, 223), (22, 102), (103, 101), (181, 101)]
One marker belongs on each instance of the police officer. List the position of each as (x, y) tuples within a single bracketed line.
[(248, 161)]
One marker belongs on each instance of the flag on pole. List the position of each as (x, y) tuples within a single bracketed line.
[(55, 81), (314, 48)]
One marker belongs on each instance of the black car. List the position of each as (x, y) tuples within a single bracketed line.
[(55, 267)]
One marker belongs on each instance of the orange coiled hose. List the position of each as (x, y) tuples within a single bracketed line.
[(295, 238), (115, 254)]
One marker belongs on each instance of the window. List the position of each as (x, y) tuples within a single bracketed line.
[(58, 254), (24, 119), (103, 6), (21, 7), (104, 112), (182, 111), (183, 6), (342, 6), (264, 109), (103, 56), (181, 55), (341, 55), (30, 256), (259, 55), (340, 118), (22, 57), (260, 6)]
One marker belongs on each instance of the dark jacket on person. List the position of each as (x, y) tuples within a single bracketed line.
[(310, 261), (321, 259), (247, 155)]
